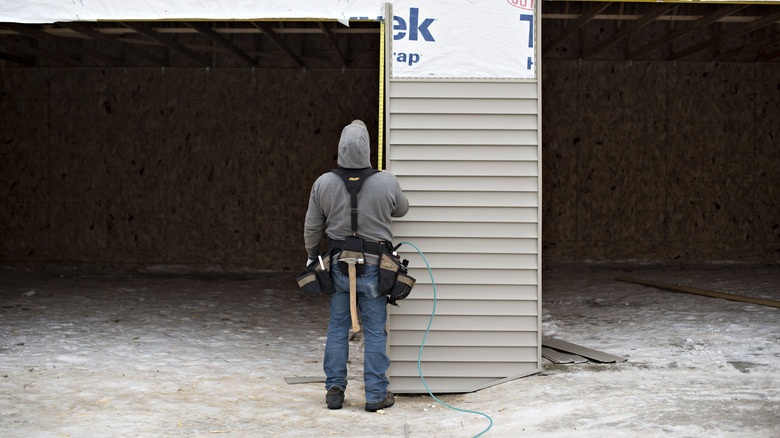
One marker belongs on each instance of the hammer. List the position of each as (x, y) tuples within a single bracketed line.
[(351, 262)]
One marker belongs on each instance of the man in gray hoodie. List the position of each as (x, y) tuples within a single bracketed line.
[(379, 200)]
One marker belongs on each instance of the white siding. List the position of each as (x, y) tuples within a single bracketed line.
[(467, 155)]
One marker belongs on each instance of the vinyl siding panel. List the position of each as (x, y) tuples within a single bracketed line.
[(469, 261), (505, 292), (411, 105), (465, 168), (461, 122), (474, 199), (479, 323), (467, 155), (456, 367), (464, 137), (473, 245), (478, 277), (403, 230), (465, 338), (449, 90), (471, 307), (471, 214), (465, 183), (452, 384)]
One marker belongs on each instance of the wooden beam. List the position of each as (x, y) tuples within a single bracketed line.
[(60, 43), (43, 53), (148, 32), (708, 293), (279, 42), (701, 22), (770, 56), (582, 21), (748, 27), (222, 41), (332, 38), (625, 31), (24, 60), (113, 42), (755, 48)]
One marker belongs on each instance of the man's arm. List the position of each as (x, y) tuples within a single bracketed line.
[(313, 227), (401, 202)]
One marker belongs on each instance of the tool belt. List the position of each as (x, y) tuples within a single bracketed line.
[(375, 248), (394, 279), (315, 279)]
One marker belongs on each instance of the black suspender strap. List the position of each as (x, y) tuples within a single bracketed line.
[(353, 179), (353, 212)]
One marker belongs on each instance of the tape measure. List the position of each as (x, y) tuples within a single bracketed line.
[(380, 137)]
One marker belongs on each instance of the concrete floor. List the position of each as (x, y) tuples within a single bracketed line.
[(181, 354)]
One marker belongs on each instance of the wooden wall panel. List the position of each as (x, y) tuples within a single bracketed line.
[(671, 161), (24, 174), (642, 160), (767, 160), (176, 167)]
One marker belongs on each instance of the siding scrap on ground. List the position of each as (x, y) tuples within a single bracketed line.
[(552, 344)]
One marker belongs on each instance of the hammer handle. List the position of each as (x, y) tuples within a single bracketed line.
[(353, 297)]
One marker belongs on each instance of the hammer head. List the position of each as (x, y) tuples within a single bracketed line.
[(352, 260)]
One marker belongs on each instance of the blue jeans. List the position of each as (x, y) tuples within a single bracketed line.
[(372, 307)]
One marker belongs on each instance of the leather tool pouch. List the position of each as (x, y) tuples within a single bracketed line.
[(394, 280), (401, 288), (353, 248), (315, 279)]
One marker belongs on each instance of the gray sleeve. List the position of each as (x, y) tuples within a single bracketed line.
[(401, 202), (313, 225)]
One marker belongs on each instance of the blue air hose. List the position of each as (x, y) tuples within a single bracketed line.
[(419, 356)]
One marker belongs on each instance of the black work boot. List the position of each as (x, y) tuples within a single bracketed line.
[(334, 398), (386, 403)]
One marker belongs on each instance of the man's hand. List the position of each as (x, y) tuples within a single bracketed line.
[(308, 262)]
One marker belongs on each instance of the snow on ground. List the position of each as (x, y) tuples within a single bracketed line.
[(160, 353)]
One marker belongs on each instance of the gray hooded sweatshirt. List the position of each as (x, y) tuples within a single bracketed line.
[(379, 199)]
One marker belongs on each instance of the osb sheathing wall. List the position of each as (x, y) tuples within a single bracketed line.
[(655, 161), (173, 167), (661, 161)]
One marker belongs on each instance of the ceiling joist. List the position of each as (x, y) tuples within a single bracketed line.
[(626, 30), (38, 53), (280, 43), (222, 41), (753, 50), (770, 56), (147, 31), (89, 32), (698, 24), (332, 38), (23, 60), (574, 27), (749, 27), (60, 43)]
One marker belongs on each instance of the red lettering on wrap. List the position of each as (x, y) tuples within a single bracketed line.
[(522, 4)]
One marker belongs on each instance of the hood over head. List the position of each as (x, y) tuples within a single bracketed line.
[(354, 149)]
